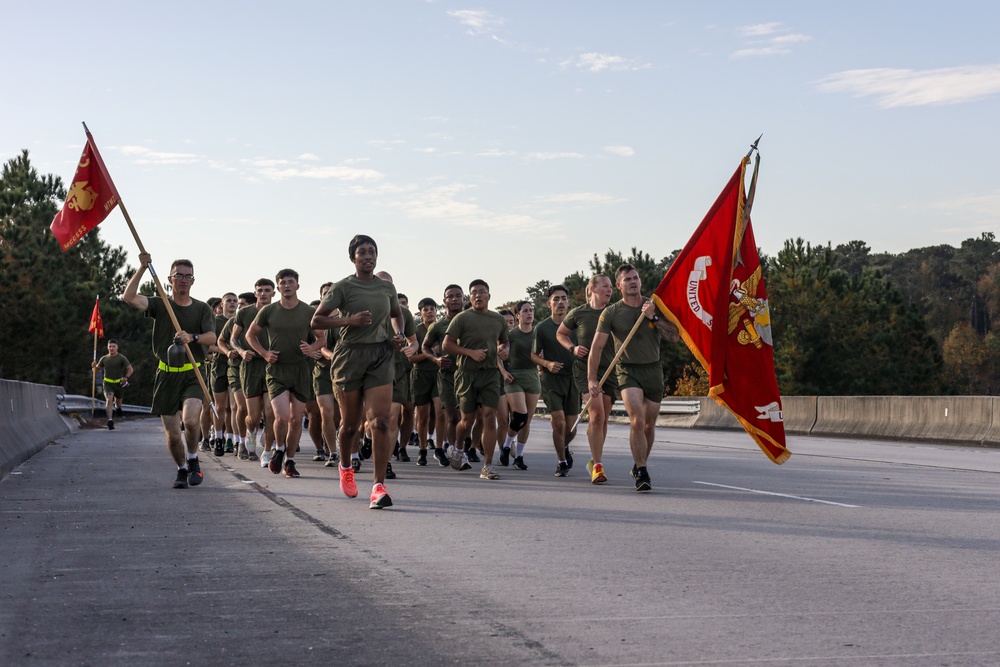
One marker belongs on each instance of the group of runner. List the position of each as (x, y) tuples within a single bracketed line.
[(364, 371)]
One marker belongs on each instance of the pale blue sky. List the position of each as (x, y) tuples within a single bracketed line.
[(505, 140)]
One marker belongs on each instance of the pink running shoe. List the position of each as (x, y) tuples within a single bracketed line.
[(347, 484)]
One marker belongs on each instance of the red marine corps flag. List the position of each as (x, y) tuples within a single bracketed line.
[(90, 199), (715, 295), (96, 325)]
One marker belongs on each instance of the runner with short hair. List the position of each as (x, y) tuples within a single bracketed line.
[(253, 373), (247, 450), (640, 375), (291, 347), (177, 394), (524, 387), (478, 338), (558, 390), (363, 360), (117, 372), (423, 380), (448, 415)]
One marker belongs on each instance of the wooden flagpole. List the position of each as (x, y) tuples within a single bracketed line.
[(611, 367), (166, 300), (93, 372)]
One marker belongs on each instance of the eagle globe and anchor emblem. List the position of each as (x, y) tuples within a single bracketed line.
[(82, 197), (745, 310)]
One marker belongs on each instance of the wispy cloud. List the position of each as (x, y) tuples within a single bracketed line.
[(977, 211), (543, 155), (768, 39), (601, 62), (283, 169), (143, 155), (495, 152), (479, 22), (909, 88), (453, 204), (623, 151), (578, 198)]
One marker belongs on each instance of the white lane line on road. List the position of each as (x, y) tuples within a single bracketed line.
[(780, 495)]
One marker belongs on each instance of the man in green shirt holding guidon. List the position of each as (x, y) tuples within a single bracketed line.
[(117, 371), (177, 393), (640, 375)]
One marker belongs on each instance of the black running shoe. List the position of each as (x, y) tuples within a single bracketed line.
[(206, 445), (473, 456), (319, 456), (290, 470), (330, 462), (569, 458), (182, 479), (403, 456), (195, 475), (422, 458), (414, 440), (389, 474), (111, 424), (119, 413), (505, 457), (441, 457), (562, 469), (277, 458), (230, 446), (356, 464), (642, 481), (634, 471), (395, 451), (430, 443), (220, 447), (519, 463), (365, 450)]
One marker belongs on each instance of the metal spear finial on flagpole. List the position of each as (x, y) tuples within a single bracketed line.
[(753, 146)]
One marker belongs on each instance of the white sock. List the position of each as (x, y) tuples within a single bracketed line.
[(509, 441), (519, 451), (355, 455), (192, 456), (280, 448)]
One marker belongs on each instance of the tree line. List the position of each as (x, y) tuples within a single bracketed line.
[(845, 321)]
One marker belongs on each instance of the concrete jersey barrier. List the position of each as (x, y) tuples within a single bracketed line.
[(30, 420)]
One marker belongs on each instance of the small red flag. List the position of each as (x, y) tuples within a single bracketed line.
[(715, 295), (96, 324), (90, 199)]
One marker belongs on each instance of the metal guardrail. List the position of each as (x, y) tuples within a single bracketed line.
[(666, 408), (70, 403)]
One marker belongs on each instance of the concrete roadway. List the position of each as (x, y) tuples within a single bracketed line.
[(852, 553)]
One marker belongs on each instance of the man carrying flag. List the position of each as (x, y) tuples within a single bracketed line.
[(640, 375), (714, 294), (177, 392)]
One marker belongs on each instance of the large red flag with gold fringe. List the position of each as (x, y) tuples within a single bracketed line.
[(90, 199), (715, 295)]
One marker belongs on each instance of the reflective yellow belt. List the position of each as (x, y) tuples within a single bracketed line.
[(110, 381), (176, 369)]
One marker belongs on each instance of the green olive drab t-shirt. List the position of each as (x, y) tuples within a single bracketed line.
[(547, 346), (583, 320), (435, 339), (285, 329), (195, 318), (617, 320), (114, 367), (353, 295), (477, 330), (521, 345)]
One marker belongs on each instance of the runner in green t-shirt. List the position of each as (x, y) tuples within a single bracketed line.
[(524, 389), (219, 380), (640, 375), (117, 371), (247, 449), (362, 363), (177, 394), (558, 390), (583, 320), (478, 338), (447, 417), (253, 373), (282, 336), (423, 379), (402, 404)]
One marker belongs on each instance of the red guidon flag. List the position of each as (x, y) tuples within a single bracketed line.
[(715, 295), (96, 325), (90, 199)]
